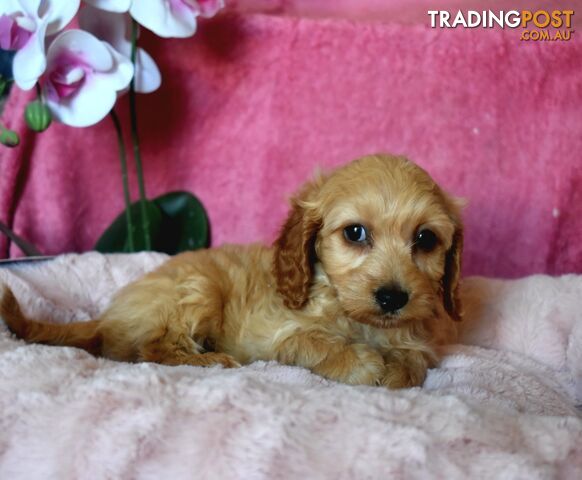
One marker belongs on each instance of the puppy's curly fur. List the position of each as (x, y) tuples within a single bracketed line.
[(311, 299)]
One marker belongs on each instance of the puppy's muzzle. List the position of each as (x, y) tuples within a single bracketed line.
[(391, 299)]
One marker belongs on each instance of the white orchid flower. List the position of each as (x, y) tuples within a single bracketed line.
[(24, 24), (83, 77), (173, 18), (166, 18), (115, 28)]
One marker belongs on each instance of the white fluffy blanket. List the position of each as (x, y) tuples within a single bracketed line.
[(501, 404)]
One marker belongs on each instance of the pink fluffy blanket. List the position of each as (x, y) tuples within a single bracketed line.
[(501, 403)]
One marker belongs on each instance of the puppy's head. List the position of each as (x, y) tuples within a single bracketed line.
[(389, 241)]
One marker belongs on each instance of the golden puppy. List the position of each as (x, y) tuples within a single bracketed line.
[(359, 287)]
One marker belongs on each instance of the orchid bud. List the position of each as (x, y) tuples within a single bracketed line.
[(9, 138), (37, 116)]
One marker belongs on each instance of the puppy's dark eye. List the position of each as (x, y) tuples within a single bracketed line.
[(356, 233), (426, 240)]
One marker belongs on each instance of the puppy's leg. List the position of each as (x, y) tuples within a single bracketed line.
[(161, 320), (332, 357), (174, 348), (406, 367)]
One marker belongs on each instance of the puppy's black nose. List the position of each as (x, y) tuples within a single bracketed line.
[(391, 299)]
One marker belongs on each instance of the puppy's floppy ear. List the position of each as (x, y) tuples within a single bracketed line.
[(294, 253), (450, 280)]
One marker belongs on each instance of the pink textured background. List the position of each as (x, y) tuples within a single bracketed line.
[(252, 103)]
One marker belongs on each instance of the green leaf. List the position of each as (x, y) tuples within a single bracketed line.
[(178, 222), (184, 223), (115, 238)]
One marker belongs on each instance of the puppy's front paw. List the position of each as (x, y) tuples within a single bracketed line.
[(212, 358), (223, 359), (406, 368), (356, 364), (402, 376)]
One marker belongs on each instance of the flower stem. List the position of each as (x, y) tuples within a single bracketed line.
[(27, 248), (145, 221), (124, 176)]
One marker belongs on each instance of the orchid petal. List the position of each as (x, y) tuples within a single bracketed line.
[(164, 21), (147, 75), (209, 8), (87, 96), (10, 7), (84, 45), (97, 97), (87, 107), (118, 6), (119, 77), (36, 19), (59, 13), (6, 25), (107, 26), (29, 7), (15, 32), (30, 61), (113, 28)]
